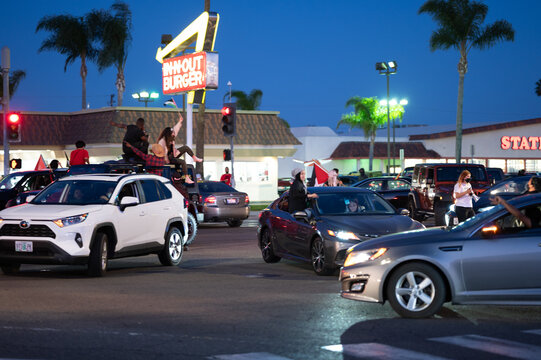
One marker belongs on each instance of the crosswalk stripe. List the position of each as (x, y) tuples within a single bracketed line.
[(249, 356), (535, 331), (380, 352), (492, 345)]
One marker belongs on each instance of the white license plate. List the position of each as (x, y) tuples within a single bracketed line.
[(24, 246), (231, 201)]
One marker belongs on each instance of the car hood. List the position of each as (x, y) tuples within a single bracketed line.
[(434, 235), (371, 225), (46, 212)]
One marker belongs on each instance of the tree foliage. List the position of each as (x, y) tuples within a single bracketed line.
[(15, 78), (245, 101)]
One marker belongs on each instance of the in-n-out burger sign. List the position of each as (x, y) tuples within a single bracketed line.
[(197, 71), (521, 142)]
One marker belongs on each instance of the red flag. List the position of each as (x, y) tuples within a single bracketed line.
[(41, 164), (321, 174)]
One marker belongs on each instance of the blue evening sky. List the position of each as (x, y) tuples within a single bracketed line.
[(308, 57)]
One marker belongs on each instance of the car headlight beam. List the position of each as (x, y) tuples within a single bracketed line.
[(357, 257), (343, 235), (70, 220)]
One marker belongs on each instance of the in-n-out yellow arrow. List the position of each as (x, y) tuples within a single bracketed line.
[(202, 30)]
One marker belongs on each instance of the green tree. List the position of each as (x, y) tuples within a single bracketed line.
[(73, 37), (369, 115), (114, 32), (15, 78), (461, 27), (538, 88), (245, 101)]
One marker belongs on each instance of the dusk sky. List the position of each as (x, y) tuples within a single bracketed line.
[(308, 58)]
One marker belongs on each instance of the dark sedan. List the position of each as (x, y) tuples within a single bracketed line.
[(223, 203), (507, 189), (339, 218), (491, 258), (392, 189)]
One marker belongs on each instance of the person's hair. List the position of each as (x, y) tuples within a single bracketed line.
[(80, 144), (54, 164), (140, 121), (536, 183), (337, 172), (463, 174), (166, 134), (361, 170)]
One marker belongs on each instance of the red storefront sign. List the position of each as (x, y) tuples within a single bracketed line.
[(195, 71), (520, 143)]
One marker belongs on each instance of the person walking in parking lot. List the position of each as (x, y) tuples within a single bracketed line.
[(298, 194), (463, 194)]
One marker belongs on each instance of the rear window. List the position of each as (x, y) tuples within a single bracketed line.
[(211, 187), (452, 173)]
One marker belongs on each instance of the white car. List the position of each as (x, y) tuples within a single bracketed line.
[(88, 219)]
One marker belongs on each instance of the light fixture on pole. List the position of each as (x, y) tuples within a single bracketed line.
[(387, 68), (145, 97)]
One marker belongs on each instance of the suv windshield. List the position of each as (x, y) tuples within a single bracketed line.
[(76, 192), (10, 181), (352, 204), (451, 173)]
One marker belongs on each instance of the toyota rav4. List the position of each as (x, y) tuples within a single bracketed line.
[(89, 219)]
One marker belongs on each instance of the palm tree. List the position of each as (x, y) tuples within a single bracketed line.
[(114, 30), (538, 88), (245, 101), (366, 116), (14, 80), (460, 27), (73, 37)]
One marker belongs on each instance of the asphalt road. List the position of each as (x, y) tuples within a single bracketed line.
[(224, 302)]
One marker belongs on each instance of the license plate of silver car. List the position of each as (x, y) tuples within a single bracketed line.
[(24, 246), (232, 201)]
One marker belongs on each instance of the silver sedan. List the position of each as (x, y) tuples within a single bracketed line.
[(492, 258)]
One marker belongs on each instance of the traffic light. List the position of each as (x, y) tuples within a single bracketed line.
[(14, 127), (227, 155), (229, 112), (15, 163)]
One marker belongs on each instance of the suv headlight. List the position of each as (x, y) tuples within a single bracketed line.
[(70, 220), (356, 257), (343, 235)]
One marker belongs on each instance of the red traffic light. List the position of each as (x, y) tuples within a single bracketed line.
[(14, 118), (226, 110)]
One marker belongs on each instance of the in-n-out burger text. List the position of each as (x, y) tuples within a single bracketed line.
[(521, 142), (184, 73)]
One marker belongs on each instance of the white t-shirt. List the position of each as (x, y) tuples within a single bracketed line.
[(466, 200)]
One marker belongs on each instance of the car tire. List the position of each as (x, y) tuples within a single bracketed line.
[(267, 251), (10, 269), (318, 257), (234, 223), (408, 298), (413, 213), (172, 249), (192, 228), (439, 213), (98, 259)]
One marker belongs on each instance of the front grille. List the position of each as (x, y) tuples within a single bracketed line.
[(31, 231)]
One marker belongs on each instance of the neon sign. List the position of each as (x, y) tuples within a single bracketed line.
[(520, 142), (190, 72)]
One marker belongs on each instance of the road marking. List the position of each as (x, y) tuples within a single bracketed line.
[(380, 351), (249, 356), (492, 345)]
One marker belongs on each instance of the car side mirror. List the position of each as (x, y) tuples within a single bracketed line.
[(300, 215), (489, 231), (405, 212), (128, 201)]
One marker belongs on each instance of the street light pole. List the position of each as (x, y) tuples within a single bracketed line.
[(144, 96), (5, 101), (387, 68)]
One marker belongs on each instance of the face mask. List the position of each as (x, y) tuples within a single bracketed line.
[(467, 180)]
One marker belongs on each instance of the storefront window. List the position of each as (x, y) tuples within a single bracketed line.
[(514, 166), (497, 163), (252, 172), (533, 165)]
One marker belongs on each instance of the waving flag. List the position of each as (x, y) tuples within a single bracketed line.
[(320, 175), (41, 164), (171, 102)]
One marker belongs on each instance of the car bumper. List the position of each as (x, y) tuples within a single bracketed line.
[(44, 252), (225, 213), (361, 283)]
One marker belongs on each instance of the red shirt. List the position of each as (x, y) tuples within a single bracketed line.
[(78, 156), (226, 178)]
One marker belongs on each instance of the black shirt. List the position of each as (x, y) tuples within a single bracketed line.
[(297, 196), (133, 136)]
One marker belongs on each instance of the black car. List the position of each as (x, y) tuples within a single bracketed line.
[(21, 181), (507, 189), (339, 218), (394, 190)]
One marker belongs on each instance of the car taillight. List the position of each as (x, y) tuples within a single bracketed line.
[(247, 200), (186, 204), (210, 199)]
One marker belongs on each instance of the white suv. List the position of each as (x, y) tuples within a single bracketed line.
[(88, 219)]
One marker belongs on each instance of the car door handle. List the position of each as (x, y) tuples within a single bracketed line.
[(450, 248), (167, 208)]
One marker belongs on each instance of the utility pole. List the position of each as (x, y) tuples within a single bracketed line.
[(5, 102)]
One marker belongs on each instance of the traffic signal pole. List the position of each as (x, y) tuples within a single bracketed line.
[(232, 165), (5, 102)]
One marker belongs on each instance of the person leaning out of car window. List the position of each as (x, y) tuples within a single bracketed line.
[(463, 194), (531, 216), (298, 194)]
